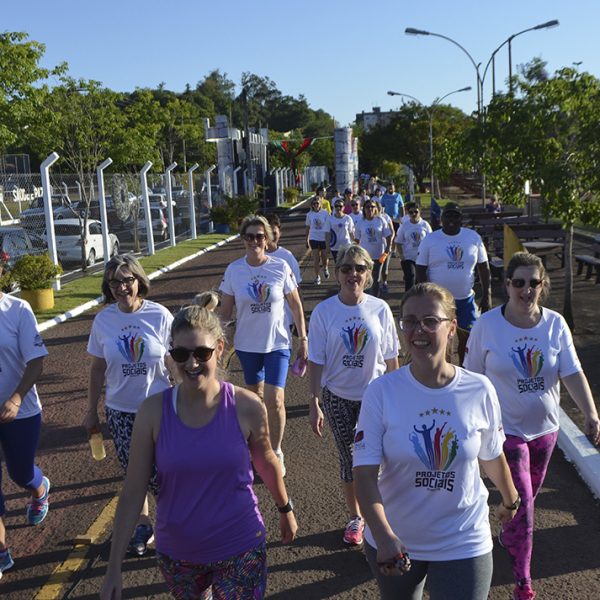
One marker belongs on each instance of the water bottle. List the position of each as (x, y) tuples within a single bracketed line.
[(97, 444)]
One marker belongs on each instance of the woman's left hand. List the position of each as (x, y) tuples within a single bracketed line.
[(9, 411), (303, 350), (592, 429), (288, 527), (505, 515)]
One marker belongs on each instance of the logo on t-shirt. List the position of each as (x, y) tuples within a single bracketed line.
[(355, 337), (332, 238), (436, 448), (455, 253), (317, 223), (528, 360), (132, 347), (371, 233), (260, 292), (416, 237)]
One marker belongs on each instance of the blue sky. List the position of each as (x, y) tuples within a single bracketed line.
[(343, 55)]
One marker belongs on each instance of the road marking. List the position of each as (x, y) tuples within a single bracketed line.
[(63, 574)]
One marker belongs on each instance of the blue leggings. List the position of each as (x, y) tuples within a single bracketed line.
[(19, 440)]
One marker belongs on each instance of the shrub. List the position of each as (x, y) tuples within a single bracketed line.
[(34, 272), (291, 195)]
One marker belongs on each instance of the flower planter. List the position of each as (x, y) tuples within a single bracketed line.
[(39, 299)]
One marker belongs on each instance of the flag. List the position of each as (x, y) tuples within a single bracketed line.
[(512, 244)]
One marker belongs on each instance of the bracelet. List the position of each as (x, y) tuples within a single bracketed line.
[(289, 507), (515, 505), (304, 338)]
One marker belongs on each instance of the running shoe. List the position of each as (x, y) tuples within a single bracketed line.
[(142, 536), (384, 287), (524, 591), (326, 273), (37, 509), (6, 561), (317, 280), (353, 534), (279, 455)]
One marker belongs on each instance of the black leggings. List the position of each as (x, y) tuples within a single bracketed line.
[(409, 269)]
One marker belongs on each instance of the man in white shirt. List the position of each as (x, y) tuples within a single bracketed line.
[(449, 257)]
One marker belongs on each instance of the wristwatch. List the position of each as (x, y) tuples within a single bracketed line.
[(515, 505), (289, 507), (304, 338)]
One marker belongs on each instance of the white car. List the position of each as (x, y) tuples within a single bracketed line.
[(68, 241)]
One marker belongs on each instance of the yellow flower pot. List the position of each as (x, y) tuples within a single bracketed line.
[(39, 299)]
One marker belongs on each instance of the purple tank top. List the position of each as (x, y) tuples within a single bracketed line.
[(206, 509)]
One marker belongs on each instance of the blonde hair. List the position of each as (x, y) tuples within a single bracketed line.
[(257, 220), (197, 317), (209, 300), (356, 253), (441, 294)]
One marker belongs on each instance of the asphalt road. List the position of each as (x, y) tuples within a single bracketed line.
[(566, 562)]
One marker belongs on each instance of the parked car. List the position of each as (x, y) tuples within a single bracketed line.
[(34, 216), (17, 242), (158, 217), (69, 241)]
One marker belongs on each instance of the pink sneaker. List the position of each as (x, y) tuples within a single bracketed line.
[(524, 591), (353, 534)]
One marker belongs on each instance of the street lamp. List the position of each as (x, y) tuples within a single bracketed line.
[(429, 112)]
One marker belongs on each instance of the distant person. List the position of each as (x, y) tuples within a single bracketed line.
[(340, 229), (422, 433), (129, 345), (449, 257), (324, 202), (352, 340), (386, 263), (410, 235), (22, 355), (317, 220), (393, 205), (347, 201), (493, 206), (526, 350), (202, 435), (356, 205)]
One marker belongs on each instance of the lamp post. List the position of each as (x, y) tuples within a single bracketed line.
[(429, 112)]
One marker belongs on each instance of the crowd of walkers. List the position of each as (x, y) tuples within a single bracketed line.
[(413, 441)]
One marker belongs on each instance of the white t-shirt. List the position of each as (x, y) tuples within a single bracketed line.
[(524, 365), (317, 223), (290, 259), (428, 442), (134, 346), (410, 236), (21, 343), (371, 235), (451, 260), (356, 218), (259, 294), (352, 343), (341, 231)]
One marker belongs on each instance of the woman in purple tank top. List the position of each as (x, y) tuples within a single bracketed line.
[(210, 536)]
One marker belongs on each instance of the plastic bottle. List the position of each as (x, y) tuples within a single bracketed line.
[(383, 257), (97, 444)]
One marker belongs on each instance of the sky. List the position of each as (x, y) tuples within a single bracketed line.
[(343, 55)]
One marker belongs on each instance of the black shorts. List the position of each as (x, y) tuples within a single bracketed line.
[(316, 245)]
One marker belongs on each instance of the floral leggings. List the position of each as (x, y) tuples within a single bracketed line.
[(243, 577), (528, 462)]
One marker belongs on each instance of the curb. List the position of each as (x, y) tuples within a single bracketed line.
[(78, 310)]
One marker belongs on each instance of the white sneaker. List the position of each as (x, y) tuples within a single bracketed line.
[(326, 273), (279, 455), (317, 280)]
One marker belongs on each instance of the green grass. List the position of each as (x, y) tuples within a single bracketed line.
[(87, 288)]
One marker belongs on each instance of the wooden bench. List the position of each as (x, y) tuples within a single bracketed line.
[(590, 262)]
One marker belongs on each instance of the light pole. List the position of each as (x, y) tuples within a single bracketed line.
[(429, 112)]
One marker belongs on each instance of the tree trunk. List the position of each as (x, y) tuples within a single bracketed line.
[(568, 259)]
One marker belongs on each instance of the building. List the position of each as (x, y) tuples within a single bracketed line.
[(368, 120)]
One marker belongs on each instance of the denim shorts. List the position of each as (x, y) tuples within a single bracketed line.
[(270, 367)]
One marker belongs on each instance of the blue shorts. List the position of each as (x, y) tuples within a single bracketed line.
[(467, 312), (270, 367)]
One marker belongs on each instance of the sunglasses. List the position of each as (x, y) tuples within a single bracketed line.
[(353, 203), (369, 206), (413, 212), (252, 237), (339, 206), (345, 269), (519, 283), (428, 324), (201, 353), (115, 284)]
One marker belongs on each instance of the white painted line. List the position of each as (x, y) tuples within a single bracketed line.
[(580, 452), (93, 303)]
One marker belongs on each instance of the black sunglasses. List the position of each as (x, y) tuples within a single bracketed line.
[(519, 283), (201, 353), (353, 203), (115, 284), (413, 212), (369, 206), (345, 269), (251, 237), (339, 205)]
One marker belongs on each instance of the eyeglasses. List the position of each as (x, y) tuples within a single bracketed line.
[(353, 203), (519, 283), (115, 284), (428, 324), (201, 353), (339, 206), (254, 237), (369, 206), (347, 268), (413, 212)]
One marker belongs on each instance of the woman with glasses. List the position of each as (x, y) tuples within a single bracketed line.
[(526, 351), (316, 238), (356, 213), (422, 433), (257, 285), (352, 340), (340, 229), (202, 434), (375, 236), (409, 237), (129, 345)]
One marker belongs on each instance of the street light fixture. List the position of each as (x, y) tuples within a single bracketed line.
[(429, 112)]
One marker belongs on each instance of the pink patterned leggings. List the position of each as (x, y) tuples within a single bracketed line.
[(528, 462)]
